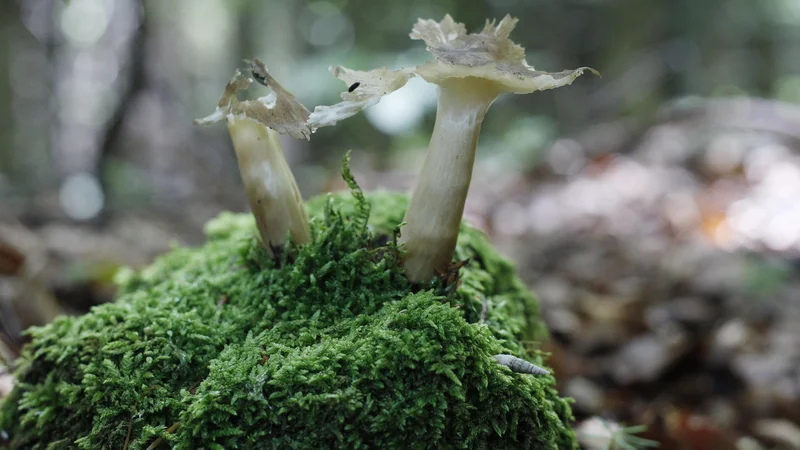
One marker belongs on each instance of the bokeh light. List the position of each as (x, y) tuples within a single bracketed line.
[(81, 196), (84, 22)]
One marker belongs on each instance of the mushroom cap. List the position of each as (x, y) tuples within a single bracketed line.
[(372, 85), (489, 57), (279, 110)]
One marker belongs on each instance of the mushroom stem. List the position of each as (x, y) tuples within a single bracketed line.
[(434, 214), (269, 184)]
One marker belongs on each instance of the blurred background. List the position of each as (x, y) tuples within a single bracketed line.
[(655, 211)]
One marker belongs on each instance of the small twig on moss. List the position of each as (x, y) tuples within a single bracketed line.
[(450, 279), (194, 387), (264, 355), (277, 253), (130, 429), (175, 425), (158, 441)]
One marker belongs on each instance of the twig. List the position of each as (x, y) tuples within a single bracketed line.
[(158, 441), (175, 425), (114, 127), (484, 309), (194, 387), (128, 437)]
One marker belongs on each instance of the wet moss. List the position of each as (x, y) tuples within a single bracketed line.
[(327, 345)]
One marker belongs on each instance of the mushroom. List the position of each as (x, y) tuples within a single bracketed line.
[(471, 70), (254, 126)]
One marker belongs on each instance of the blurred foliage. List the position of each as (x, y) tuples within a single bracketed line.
[(766, 278)]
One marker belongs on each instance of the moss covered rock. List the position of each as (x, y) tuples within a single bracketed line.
[(327, 345)]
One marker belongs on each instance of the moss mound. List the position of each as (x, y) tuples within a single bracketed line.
[(328, 345)]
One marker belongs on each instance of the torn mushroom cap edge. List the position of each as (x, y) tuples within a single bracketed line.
[(279, 110), (489, 55)]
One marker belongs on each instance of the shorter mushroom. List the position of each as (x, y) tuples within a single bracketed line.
[(254, 126)]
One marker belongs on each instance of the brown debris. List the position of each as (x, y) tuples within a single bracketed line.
[(11, 259)]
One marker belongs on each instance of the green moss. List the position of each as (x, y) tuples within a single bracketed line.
[(223, 346)]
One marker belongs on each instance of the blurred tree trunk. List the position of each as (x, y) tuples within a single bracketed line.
[(271, 34), (9, 14), (768, 72), (113, 132)]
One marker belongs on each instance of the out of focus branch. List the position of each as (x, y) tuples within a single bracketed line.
[(115, 124)]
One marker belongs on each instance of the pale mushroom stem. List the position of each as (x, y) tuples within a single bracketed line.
[(269, 184), (434, 214)]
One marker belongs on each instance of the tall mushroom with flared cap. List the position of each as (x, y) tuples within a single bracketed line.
[(471, 70), (254, 126)]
